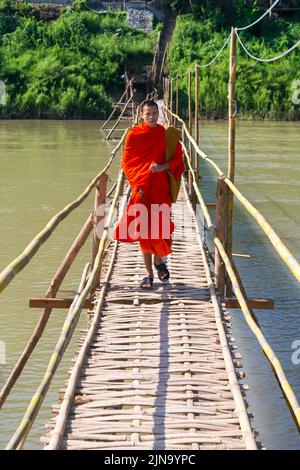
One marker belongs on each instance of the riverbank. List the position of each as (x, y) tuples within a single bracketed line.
[(264, 90), (68, 68)]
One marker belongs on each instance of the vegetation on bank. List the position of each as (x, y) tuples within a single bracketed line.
[(264, 90), (69, 67)]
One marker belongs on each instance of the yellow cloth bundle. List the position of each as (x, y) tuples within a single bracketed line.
[(172, 138)]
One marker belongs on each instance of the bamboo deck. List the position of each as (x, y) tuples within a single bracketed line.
[(159, 370)]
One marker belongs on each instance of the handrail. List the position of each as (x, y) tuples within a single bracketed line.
[(19, 437), (119, 118), (60, 424), (243, 303), (17, 265), (277, 243), (21, 433)]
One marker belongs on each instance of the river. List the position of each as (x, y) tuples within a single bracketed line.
[(47, 164)]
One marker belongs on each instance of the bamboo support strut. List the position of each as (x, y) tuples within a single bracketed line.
[(282, 379), (20, 436), (171, 99), (221, 231), (57, 434), (99, 212), (42, 302), (230, 369), (114, 109), (190, 128), (119, 118), (279, 246), (177, 93), (197, 117), (231, 148)]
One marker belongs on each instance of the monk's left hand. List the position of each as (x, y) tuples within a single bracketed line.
[(154, 168)]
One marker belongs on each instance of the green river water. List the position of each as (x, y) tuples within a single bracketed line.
[(47, 164)]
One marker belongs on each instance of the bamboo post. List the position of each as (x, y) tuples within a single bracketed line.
[(171, 100), (190, 182), (197, 119), (231, 147), (221, 199), (176, 111), (100, 200), (126, 86), (166, 91)]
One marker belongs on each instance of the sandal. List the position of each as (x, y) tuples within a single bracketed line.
[(147, 282), (162, 271)]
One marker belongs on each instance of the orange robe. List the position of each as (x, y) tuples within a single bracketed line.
[(145, 145)]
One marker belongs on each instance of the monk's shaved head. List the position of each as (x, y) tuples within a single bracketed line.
[(149, 103), (149, 113)]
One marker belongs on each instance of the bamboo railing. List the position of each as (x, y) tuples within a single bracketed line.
[(230, 268), (88, 284), (28, 253), (21, 433), (277, 243)]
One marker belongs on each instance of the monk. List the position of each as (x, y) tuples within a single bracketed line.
[(147, 219)]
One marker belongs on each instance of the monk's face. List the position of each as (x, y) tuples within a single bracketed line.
[(150, 115)]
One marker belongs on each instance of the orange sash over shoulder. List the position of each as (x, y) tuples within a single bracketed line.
[(172, 138)]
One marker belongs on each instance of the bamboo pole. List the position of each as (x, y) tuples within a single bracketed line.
[(100, 200), (113, 111), (119, 118), (60, 425), (177, 93), (230, 369), (281, 377), (18, 264), (61, 346), (22, 260), (126, 85), (51, 292), (190, 128), (197, 117), (231, 147), (171, 99), (277, 243), (221, 232)]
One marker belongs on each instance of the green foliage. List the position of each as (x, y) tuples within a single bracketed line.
[(67, 68), (263, 89)]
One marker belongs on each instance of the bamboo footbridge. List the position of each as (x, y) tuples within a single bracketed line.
[(157, 373), (159, 369)]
